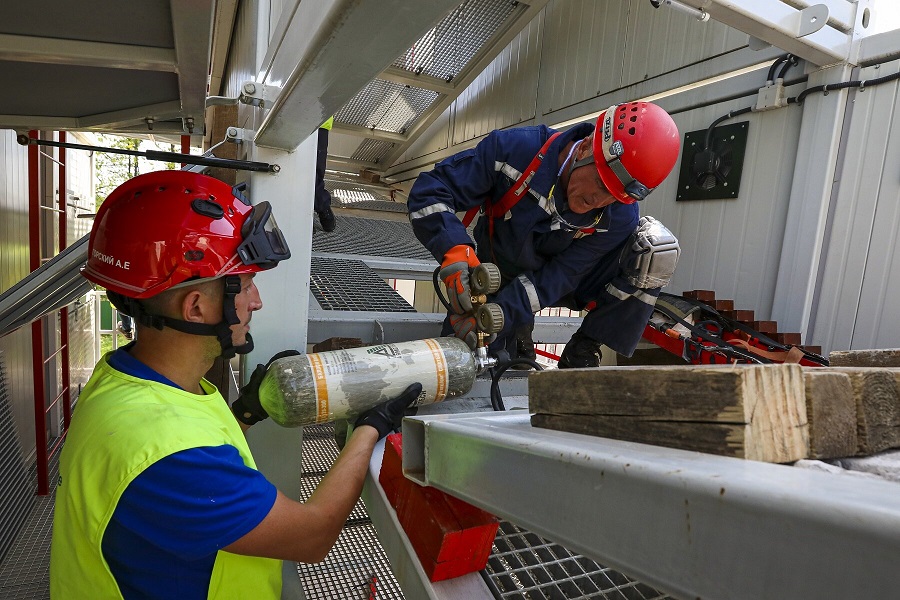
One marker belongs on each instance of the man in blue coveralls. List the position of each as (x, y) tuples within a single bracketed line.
[(564, 231)]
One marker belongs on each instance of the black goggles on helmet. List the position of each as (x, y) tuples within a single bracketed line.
[(263, 244)]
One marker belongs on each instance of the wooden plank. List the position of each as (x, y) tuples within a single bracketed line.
[(865, 358), (877, 396), (831, 412), (751, 411)]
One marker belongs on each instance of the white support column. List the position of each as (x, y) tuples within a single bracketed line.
[(282, 322), (821, 131), (690, 524)]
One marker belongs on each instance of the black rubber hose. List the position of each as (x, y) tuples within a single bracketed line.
[(498, 371), (437, 289)]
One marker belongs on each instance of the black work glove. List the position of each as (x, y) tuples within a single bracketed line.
[(387, 416), (247, 408)]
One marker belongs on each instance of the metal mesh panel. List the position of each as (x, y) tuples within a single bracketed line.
[(370, 237), (16, 491), (351, 195), (372, 150), (524, 566), (25, 570), (351, 285), (357, 557), (386, 105), (445, 50)]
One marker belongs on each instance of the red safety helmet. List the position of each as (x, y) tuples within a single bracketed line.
[(639, 143), (164, 228)]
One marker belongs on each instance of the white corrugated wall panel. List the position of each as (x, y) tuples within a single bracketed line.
[(584, 41), (14, 254), (436, 139), (734, 246), (860, 273), (656, 41), (503, 95)]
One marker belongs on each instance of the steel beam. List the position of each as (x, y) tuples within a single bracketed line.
[(520, 19), (422, 81), (192, 27), (325, 53), (24, 48), (693, 525), (374, 327), (783, 26), (369, 132)]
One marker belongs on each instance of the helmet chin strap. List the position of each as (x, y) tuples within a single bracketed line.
[(221, 330)]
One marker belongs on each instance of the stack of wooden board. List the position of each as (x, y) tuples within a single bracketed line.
[(774, 413)]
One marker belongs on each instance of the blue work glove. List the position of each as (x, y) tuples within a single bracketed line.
[(386, 417), (455, 274), (247, 408)]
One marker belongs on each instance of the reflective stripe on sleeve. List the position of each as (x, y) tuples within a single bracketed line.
[(531, 292), (429, 210)]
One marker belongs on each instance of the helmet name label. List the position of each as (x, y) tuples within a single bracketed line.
[(112, 260)]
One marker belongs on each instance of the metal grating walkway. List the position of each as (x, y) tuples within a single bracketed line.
[(370, 237), (339, 284), (357, 557), (524, 566), (25, 570)]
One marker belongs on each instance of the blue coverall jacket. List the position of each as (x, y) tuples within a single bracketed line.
[(543, 258)]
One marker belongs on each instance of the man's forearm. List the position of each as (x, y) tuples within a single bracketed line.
[(337, 493)]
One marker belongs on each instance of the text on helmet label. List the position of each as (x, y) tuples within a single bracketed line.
[(112, 260)]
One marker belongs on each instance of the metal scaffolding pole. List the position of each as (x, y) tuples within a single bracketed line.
[(691, 524)]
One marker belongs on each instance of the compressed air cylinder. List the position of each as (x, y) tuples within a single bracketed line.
[(342, 384)]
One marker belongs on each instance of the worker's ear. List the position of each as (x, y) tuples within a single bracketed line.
[(586, 148), (199, 307)]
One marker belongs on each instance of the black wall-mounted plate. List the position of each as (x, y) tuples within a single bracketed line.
[(729, 142)]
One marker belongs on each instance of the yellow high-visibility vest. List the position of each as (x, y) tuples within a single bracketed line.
[(121, 426)]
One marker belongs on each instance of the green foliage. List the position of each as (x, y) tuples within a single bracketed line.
[(114, 169)]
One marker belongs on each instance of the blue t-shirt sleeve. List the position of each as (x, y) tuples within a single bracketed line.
[(195, 502)]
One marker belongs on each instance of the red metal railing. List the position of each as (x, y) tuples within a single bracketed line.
[(39, 362)]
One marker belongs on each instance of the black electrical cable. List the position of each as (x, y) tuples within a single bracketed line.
[(861, 84), (790, 62), (778, 61), (498, 371), (730, 115)]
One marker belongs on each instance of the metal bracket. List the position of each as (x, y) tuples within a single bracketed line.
[(812, 18), (236, 135), (258, 94)]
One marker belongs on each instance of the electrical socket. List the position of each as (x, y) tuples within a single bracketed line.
[(771, 96)]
